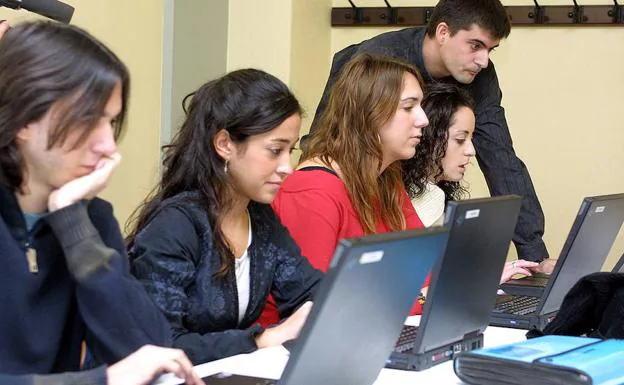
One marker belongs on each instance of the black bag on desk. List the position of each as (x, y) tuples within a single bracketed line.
[(594, 307)]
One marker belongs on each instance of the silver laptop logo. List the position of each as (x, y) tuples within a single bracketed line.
[(371, 257), (473, 213), (600, 209)]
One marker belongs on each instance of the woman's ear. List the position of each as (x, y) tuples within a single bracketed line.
[(223, 144)]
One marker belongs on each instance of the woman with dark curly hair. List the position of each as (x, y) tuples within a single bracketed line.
[(434, 175)]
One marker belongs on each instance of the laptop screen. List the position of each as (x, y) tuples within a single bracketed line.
[(466, 279), (592, 235), (361, 306), (619, 266)]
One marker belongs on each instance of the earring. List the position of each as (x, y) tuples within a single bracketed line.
[(225, 166)]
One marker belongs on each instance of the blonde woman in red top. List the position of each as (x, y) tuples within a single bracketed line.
[(349, 182)]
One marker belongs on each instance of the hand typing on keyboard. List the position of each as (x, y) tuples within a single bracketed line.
[(546, 266), (519, 266), (140, 367), (287, 330)]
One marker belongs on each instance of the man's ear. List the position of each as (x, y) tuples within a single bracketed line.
[(443, 32), (223, 144)]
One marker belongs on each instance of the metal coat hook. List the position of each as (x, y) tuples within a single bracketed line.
[(537, 13), (617, 13), (392, 13), (577, 13), (357, 13)]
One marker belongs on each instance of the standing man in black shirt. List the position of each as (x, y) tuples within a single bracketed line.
[(455, 47)]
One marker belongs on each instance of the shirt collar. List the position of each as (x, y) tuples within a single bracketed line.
[(418, 54)]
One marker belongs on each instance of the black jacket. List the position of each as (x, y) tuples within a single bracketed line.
[(174, 259)]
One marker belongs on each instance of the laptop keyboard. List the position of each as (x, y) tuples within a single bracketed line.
[(516, 304), (406, 339), (234, 379), (540, 281)]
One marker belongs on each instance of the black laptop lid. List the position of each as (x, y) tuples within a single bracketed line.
[(465, 280), (588, 244), (619, 266), (361, 307)]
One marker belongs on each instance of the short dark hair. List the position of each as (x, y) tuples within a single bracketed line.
[(46, 65), (462, 14), (441, 102)]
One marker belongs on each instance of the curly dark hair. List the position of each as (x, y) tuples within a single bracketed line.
[(442, 100)]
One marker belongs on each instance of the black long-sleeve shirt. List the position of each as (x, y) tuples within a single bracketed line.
[(504, 172), (173, 256), (82, 291)]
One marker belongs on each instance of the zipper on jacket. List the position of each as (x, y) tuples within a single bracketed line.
[(31, 259)]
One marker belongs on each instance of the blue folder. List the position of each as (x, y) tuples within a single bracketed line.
[(549, 360)]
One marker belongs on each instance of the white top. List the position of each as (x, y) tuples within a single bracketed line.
[(430, 206), (241, 267)]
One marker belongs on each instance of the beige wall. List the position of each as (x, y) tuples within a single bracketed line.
[(133, 29), (563, 92), (287, 38), (310, 50), (198, 30), (259, 36)]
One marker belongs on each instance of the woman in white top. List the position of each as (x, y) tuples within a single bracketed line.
[(435, 174)]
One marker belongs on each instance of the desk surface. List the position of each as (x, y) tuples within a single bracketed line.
[(270, 362)]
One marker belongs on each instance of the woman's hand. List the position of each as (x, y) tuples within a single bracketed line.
[(519, 266), (546, 266), (287, 330)]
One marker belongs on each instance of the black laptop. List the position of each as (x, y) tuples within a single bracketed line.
[(592, 235), (464, 284), (619, 266), (359, 311), (586, 248)]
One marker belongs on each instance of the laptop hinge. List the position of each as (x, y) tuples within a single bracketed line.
[(472, 334)]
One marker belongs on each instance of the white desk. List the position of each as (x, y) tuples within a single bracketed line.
[(270, 362)]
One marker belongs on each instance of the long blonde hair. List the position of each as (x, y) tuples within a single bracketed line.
[(364, 98)]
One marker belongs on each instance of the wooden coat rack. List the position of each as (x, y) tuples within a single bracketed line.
[(536, 15)]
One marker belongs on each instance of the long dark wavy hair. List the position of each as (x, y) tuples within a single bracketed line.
[(45, 65), (363, 99), (245, 102), (442, 100)]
